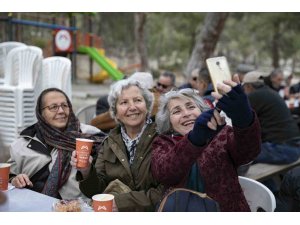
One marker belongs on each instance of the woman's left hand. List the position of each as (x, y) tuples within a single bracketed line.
[(234, 102), (206, 127)]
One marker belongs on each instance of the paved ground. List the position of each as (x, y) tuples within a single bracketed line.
[(84, 93)]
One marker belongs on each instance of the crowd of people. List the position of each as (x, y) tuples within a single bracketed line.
[(150, 138)]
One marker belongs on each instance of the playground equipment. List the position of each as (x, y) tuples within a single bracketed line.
[(66, 40), (102, 61)]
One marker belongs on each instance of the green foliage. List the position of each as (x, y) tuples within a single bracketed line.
[(170, 37)]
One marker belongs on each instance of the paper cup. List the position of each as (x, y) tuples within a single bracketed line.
[(4, 176), (103, 202), (83, 151)]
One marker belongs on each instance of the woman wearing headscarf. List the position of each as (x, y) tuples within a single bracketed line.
[(40, 157), (123, 164)]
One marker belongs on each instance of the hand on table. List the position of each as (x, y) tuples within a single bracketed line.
[(21, 181)]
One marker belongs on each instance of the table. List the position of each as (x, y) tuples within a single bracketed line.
[(262, 171), (25, 200)]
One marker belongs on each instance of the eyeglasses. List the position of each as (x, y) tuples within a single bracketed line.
[(54, 107), (162, 85)]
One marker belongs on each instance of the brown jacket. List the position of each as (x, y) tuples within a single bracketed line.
[(112, 163)]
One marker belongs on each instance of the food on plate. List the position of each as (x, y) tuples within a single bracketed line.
[(67, 206)]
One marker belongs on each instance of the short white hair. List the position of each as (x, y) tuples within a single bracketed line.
[(116, 90), (145, 79)]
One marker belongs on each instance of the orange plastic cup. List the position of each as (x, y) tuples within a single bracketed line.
[(103, 202), (4, 176), (83, 151)]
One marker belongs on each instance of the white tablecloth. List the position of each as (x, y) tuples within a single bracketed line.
[(25, 200)]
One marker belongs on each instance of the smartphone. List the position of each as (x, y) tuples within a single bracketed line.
[(218, 70)]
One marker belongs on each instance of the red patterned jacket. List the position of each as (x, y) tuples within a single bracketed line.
[(218, 162)]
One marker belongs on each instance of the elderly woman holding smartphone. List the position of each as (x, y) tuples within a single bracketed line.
[(198, 151), (123, 164)]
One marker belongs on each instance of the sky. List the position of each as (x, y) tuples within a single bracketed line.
[(149, 5)]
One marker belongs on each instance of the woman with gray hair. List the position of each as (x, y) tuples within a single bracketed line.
[(123, 165), (196, 150)]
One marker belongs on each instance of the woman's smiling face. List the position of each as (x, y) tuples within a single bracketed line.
[(131, 108), (183, 113)]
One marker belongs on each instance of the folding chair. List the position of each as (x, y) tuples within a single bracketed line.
[(258, 196), (86, 113)]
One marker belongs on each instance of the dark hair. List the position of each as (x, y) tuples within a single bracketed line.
[(204, 75), (275, 72), (170, 75)]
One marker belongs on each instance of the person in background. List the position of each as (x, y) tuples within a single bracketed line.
[(205, 86), (192, 80), (196, 150), (102, 105), (123, 165), (40, 157), (242, 69), (275, 80), (279, 131), (280, 134), (166, 82)]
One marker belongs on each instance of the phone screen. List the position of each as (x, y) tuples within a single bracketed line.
[(219, 70)]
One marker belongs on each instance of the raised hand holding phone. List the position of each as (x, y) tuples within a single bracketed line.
[(219, 71), (234, 102)]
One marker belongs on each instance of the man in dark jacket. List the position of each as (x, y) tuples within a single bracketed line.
[(280, 133)]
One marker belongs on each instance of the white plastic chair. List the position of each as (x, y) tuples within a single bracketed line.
[(5, 48), (23, 66), (56, 72), (86, 113), (18, 94), (257, 195)]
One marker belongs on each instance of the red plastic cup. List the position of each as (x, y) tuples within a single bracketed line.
[(4, 176), (83, 151)]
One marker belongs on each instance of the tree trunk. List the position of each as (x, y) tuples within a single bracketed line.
[(207, 40), (275, 45), (140, 21)]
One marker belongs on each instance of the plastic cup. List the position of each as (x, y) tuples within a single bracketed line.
[(83, 151), (103, 202), (4, 176)]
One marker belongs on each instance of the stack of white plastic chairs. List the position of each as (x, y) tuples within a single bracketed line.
[(56, 72), (19, 92), (5, 47)]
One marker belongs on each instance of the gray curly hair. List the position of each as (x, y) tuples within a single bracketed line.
[(162, 118), (116, 90)]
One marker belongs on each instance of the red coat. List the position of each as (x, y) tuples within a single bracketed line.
[(218, 162)]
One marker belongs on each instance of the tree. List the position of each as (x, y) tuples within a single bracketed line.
[(207, 39), (139, 31)]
